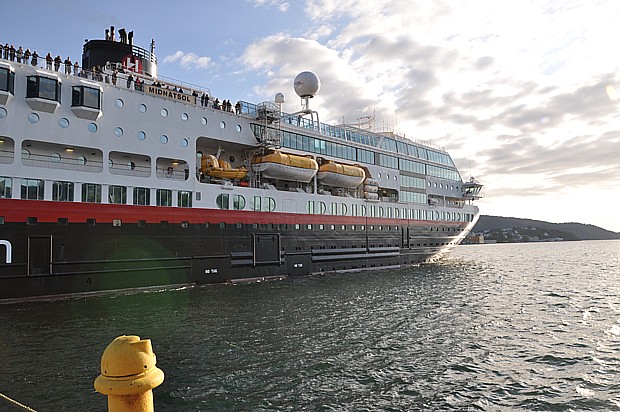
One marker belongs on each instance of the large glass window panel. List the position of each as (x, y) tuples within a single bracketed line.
[(141, 196), (62, 191), (32, 189), (164, 197), (6, 187)]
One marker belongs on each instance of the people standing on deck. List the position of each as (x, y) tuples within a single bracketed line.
[(114, 77), (238, 108), (12, 53), (20, 54), (48, 61), (35, 58), (129, 80), (68, 65), (76, 68), (27, 55), (57, 62), (6, 52)]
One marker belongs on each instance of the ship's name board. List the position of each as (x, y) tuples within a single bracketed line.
[(171, 94)]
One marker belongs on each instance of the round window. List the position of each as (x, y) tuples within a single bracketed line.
[(184, 142), (184, 117), (238, 128), (3, 113), (203, 121), (141, 135), (164, 113), (118, 132), (163, 138), (119, 103), (222, 125), (64, 122), (142, 108), (33, 118), (92, 127)]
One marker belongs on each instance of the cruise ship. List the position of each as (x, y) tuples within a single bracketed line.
[(114, 178)]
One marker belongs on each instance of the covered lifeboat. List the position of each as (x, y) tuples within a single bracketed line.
[(340, 175), (284, 166), (220, 169)]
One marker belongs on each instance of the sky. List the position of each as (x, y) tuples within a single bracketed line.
[(524, 95)]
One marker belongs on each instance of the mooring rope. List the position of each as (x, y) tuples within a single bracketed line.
[(17, 404)]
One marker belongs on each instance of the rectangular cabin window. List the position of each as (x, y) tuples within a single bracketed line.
[(164, 197), (62, 191), (7, 80), (91, 193), (117, 195), (184, 198), (86, 96), (141, 196), (33, 189), (43, 87), (6, 187)]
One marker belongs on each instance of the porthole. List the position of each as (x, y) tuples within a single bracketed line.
[(142, 108), (238, 128), (81, 160), (118, 132), (164, 113), (222, 125), (92, 127), (55, 157), (119, 103), (203, 121), (33, 118), (3, 113), (64, 122), (184, 117), (25, 154), (141, 135), (184, 142), (163, 138)]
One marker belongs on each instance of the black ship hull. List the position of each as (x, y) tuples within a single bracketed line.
[(66, 253)]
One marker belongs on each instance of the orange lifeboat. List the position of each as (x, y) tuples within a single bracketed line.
[(284, 166), (221, 169), (340, 175)]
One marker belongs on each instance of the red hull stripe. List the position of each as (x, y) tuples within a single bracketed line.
[(16, 210)]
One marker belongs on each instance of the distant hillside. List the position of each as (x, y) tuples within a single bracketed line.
[(578, 230)]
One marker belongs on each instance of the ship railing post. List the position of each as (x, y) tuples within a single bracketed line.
[(129, 375)]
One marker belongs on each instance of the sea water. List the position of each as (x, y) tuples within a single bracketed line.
[(504, 327)]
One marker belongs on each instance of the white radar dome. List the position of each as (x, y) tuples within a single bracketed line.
[(279, 98), (307, 84)]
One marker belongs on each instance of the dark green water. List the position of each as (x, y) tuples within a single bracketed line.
[(493, 328)]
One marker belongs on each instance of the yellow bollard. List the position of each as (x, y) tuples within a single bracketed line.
[(128, 375)]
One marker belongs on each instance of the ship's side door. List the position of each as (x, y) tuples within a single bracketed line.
[(39, 255)]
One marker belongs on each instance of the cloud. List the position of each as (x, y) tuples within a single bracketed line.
[(283, 6), (525, 92), (188, 60)]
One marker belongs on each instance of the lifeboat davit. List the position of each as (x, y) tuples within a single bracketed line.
[(284, 166), (340, 175), (221, 169)]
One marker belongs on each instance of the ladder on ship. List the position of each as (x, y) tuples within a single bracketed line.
[(268, 116)]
